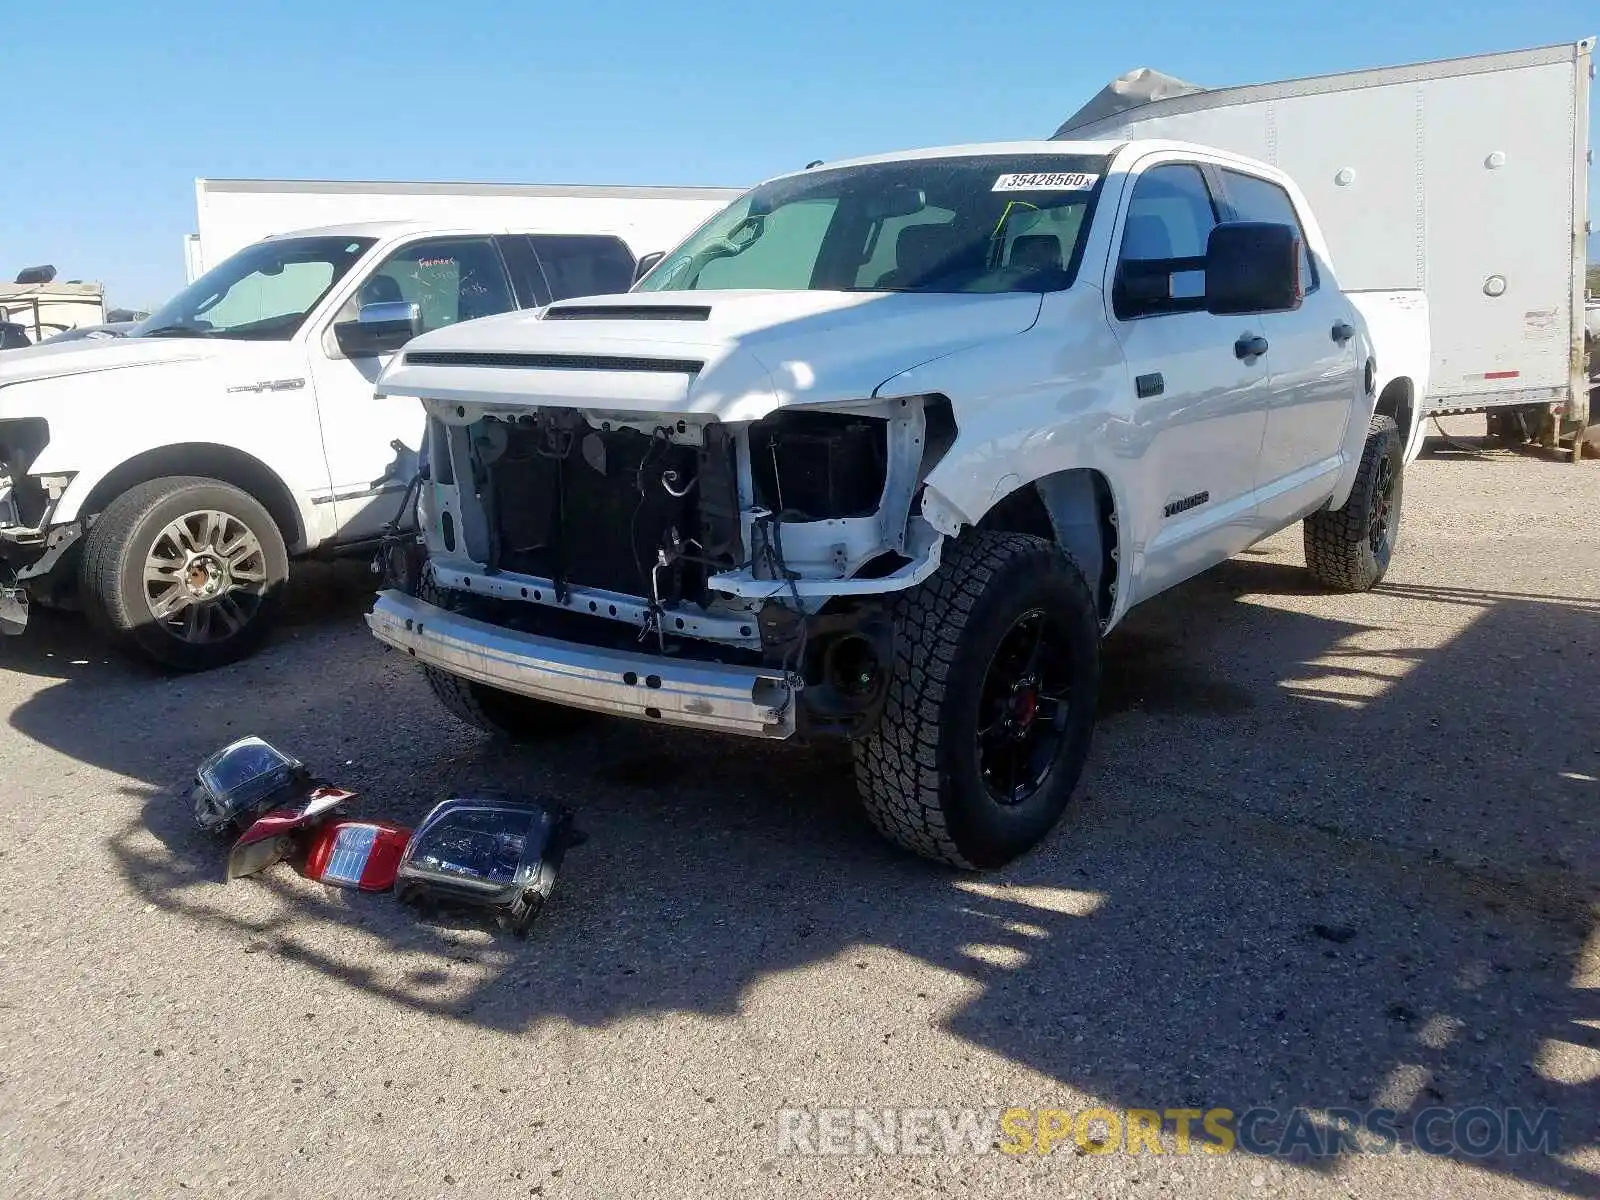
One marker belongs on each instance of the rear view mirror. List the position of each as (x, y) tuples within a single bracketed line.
[(1252, 267), (901, 200), (379, 329), (646, 264)]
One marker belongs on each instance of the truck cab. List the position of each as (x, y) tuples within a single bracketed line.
[(881, 452), (166, 478)]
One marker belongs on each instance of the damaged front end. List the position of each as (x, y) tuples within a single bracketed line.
[(670, 567), (30, 548)]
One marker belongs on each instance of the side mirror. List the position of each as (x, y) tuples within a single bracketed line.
[(1143, 286), (644, 266), (379, 329), (1252, 267)]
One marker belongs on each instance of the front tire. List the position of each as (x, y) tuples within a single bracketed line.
[(501, 714), (185, 572), (1349, 550), (991, 703)]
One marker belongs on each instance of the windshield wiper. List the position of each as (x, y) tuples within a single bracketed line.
[(175, 331)]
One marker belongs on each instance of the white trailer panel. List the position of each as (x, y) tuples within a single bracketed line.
[(1467, 179), (233, 213)]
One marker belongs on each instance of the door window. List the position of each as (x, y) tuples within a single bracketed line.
[(1256, 199), (583, 264), (1170, 216), (450, 279)]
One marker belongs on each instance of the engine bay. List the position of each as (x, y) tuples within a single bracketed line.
[(766, 542)]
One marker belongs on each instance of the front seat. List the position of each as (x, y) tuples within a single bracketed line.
[(1037, 252), (921, 253), (381, 289)]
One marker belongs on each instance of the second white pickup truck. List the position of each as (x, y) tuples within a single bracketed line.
[(881, 452), (165, 479)]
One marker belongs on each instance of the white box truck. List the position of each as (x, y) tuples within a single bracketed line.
[(1463, 183)]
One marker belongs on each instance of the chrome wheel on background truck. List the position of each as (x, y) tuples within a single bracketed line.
[(184, 571)]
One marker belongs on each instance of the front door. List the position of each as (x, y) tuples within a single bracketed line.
[(1313, 363), (372, 443), (1199, 407)]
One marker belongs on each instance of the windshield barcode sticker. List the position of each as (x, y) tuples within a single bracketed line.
[(1046, 181)]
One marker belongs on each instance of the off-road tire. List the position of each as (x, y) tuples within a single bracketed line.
[(502, 714), (1339, 546), (111, 572), (918, 773)]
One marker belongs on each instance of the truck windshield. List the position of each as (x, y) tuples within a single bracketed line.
[(263, 293), (977, 223)]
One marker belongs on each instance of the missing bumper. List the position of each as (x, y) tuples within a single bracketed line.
[(845, 659)]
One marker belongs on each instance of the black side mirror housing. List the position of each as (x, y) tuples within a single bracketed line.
[(379, 329), (1252, 267), (1144, 286), (645, 264)]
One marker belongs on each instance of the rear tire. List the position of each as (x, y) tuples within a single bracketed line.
[(991, 703), (184, 571), (501, 714), (1349, 550)]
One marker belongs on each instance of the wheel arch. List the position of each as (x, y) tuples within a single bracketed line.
[(213, 461), (1076, 508), (1398, 399)]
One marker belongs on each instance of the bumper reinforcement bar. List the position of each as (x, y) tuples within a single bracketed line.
[(752, 701)]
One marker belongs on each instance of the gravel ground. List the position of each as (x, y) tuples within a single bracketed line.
[(1332, 852)]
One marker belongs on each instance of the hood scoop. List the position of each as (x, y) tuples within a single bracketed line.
[(628, 312), (552, 362)]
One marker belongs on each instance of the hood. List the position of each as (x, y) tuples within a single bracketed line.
[(733, 355), (84, 355)]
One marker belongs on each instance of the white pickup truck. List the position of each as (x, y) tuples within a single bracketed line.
[(881, 452), (166, 478)]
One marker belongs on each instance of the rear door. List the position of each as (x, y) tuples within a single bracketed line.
[(1312, 360), (583, 264), (1199, 404)]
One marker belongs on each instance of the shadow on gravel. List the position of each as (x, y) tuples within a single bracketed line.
[(1449, 446), (60, 644), (1315, 864)]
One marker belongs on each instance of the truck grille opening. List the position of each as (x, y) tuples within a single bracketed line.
[(819, 466), (600, 508)]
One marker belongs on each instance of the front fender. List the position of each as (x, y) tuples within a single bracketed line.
[(1054, 398), (100, 422)]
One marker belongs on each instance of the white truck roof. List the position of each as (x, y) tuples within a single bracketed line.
[(1100, 146), (233, 213), (385, 230)]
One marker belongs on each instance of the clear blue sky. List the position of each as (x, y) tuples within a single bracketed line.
[(113, 108)]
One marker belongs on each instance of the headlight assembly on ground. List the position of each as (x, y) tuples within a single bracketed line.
[(497, 854)]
